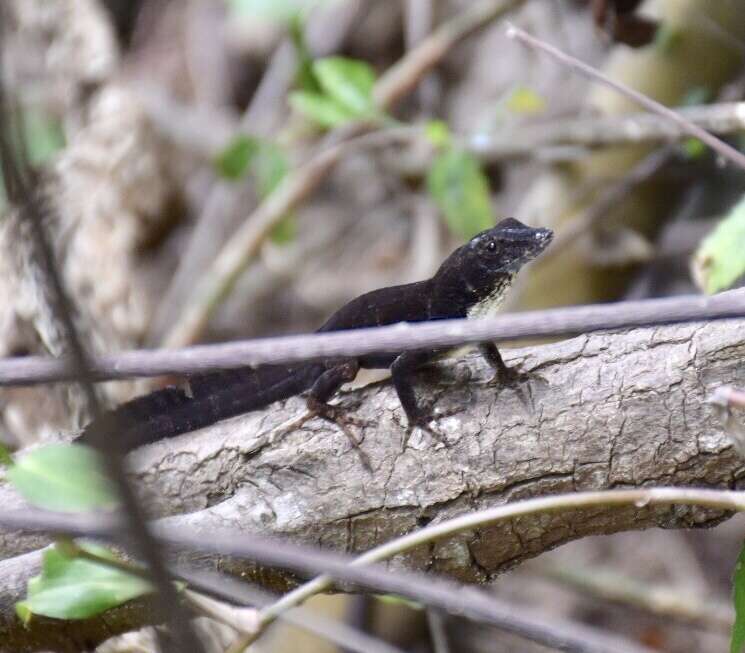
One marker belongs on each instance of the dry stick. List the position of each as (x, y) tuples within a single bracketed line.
[(722, 118), (23, 194), (399, 337), (219, 279), (206, 134), (720, 147), (720, 499), (341, 634)]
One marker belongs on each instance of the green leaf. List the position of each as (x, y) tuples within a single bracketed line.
[(693, 148), (63, 477), (437, 132), (460, 188), (305, 79), (718, 263), (524, 100), (233, 162), (737, 641), (319, 108), (77, 588), (5, 458), (347, 81)]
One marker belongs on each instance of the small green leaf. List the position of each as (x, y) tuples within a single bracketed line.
[(718, 263), (524, 100), (348, 81), (460, 188), (77, 588), (5, 458), (323, 110), (737, 641), (233, 162), (693, 148), (437, 132), (305, 80), (63, 477)]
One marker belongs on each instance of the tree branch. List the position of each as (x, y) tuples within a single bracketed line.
[(601, 411)]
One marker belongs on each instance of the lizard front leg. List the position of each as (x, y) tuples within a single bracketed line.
[(503, 375), (402, 370), (324, 388)]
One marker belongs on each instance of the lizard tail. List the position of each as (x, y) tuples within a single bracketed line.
[(208, 398)]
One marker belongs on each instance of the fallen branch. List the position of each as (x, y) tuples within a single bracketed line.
[(601, 411)]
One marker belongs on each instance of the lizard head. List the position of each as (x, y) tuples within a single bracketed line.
[(475, 278), (506, 247)]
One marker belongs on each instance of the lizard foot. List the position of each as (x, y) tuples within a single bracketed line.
[(509, 377), (425, 423), (341, 418)]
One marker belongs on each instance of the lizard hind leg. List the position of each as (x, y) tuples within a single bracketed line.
[(323, 389)]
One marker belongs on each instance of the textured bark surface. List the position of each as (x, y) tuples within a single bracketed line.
[(599, 411)]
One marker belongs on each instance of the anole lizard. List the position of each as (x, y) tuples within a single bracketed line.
[(471, 282)]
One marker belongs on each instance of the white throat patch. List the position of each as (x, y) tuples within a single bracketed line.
[(489, 305)]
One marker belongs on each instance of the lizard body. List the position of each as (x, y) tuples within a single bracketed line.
[(471, 282)]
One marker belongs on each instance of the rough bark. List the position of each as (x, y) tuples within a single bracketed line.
[(600, 411)]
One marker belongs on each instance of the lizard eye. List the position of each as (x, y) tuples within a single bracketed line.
[(491, 246)]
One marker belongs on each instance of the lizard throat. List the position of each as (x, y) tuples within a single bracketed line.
[(489, 305)]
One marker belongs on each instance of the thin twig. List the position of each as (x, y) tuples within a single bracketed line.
[(403, 76), (218, 280), (399, 337), (24, 194), (720, 147), (206, 135), (241, 593), (722, 499), (590, 132)]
